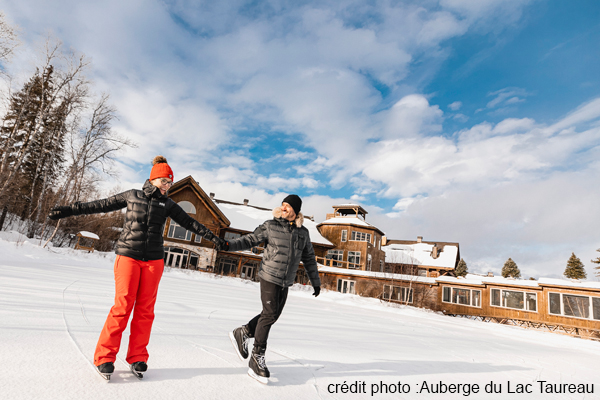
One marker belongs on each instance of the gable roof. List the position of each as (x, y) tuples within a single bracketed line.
[(208, 203)]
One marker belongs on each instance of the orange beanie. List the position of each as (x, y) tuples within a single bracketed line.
[(160, 169)]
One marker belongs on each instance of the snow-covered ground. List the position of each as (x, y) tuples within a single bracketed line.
[(53, 304)]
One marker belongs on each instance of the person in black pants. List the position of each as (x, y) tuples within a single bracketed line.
[(287, 243)]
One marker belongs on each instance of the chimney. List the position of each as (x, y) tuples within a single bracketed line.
[(490, 274), (419, 239), (246, 202), (212, 196), (435, 252)]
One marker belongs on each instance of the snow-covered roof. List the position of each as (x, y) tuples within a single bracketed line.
[(571, 283), (90, 235), (480, 280), (421, 254), (247, 218), (373, 274), (346, 221)]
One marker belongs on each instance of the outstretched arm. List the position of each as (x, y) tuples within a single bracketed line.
[(250, 240), (182, 218), (112, 203)]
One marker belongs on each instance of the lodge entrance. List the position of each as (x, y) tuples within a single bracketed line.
[(180, 258)]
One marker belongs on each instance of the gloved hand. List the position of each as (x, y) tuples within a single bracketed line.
[(60, 212), (224, 245), (220, 244), (317, 290)]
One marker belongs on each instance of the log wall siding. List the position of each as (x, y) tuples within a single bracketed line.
[(333, 233), (202, 215), (430, 296)]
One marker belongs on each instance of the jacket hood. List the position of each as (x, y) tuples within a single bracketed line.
[(299, 218), (151, 191)]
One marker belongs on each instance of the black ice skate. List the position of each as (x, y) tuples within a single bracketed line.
[(239, 338), (258, 367), (138, 368), (105, 370)]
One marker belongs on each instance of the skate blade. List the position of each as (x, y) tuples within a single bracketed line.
[(106, 377), (261, 379), (139, 375), (235, 346)]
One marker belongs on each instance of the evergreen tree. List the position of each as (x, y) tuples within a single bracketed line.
[(461, 268), (510, 269), (32, 137), (597, 261), (575, 268)]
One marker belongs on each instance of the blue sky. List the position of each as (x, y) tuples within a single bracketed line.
[(473, 121)]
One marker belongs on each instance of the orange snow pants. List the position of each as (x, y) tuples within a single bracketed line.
[(136, 286)]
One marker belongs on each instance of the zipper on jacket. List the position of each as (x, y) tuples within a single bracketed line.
[(145, 255)]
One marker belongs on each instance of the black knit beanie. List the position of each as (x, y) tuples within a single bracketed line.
[(294, 201)]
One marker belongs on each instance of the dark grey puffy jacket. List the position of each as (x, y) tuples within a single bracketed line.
[(286, 245), (147, 212)]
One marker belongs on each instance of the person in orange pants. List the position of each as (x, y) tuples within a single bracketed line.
[(136, 282), (139, 264)]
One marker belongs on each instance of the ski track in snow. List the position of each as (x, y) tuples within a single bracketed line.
[(53, 305)]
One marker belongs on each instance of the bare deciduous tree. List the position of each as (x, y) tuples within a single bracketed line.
[(8, 42), (69, 85), (91, 152)]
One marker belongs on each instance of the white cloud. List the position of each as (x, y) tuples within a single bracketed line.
[(507, 96), (455, 106), (460, 117)]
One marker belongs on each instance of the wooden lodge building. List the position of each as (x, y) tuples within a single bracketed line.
[(355, 257), (228, 220), (357, 243)]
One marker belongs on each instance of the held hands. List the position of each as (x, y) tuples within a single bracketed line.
[(224, 245), (60, 212), (317, 291), (220, 244)]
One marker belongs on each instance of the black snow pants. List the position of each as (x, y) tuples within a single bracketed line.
[(273, 299)]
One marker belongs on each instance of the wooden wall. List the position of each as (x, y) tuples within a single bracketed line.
[(333, 233), (203, 215)]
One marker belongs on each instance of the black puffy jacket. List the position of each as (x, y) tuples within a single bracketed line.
[(286, 244), (147, 212)]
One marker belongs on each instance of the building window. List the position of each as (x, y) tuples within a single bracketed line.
[(227, 266), (346, 286), (180, 258), (514, 299), (232, 235), (354, 259), (344, 235), (398, 293), (465, 297), (577, 306), (335, 255), (360, 236), (176, 231), (187, 207)]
